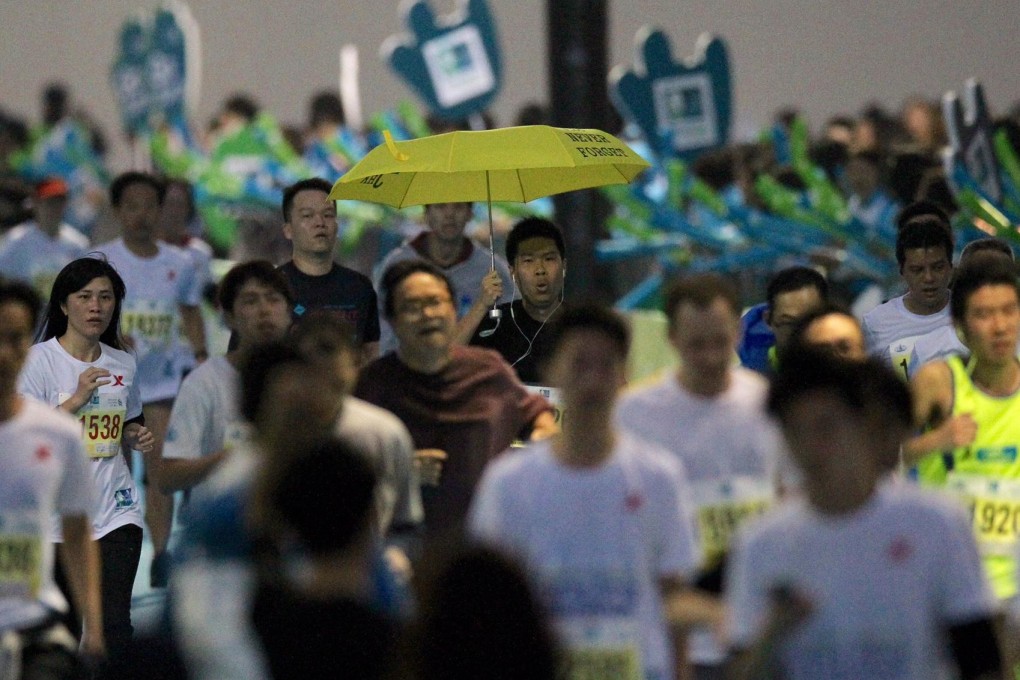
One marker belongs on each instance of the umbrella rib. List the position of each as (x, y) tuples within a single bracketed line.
[(521, 185), (407, 190), (449, 155)]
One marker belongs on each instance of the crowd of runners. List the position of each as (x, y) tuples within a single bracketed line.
[(380, 479)]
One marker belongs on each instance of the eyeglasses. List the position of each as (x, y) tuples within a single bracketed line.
[(413, 309)]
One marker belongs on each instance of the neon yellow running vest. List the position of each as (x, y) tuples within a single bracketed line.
[(986, 476)]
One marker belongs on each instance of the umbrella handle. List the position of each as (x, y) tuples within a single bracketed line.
[(494, 313), (492, 241)]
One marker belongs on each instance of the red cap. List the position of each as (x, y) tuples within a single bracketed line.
[(51, 187)]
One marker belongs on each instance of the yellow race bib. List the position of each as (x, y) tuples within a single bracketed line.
[(20, 566), (603, 664), (723, 505), (102, 423), (717, 524)]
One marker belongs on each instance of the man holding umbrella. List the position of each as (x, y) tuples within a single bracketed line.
[(517, 164)]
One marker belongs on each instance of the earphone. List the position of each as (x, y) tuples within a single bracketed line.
[(531, 340)]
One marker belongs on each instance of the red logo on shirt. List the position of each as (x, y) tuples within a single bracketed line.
[(42, 453), (633, 502), (171, 275), (118, 381), (900, 550)]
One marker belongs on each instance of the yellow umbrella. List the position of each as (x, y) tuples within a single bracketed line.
[(516, 164), (506, 164)]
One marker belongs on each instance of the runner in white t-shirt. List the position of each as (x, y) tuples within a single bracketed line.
[(924, 251), (35, 251), (177, 216), (330, 344), (859, 578), (599, 518), (161, 298), (711, 416), (43, 475), (944, 341), (81, 369), (206, 423)]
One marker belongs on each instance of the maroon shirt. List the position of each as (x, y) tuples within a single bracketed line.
[(472, 409)]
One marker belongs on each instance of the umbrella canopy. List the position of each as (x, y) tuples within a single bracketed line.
[(516, 164)]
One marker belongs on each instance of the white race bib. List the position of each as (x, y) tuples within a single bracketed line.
[(899, 355), (994, 506), (150, 322)]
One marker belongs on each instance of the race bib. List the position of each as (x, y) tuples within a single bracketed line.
[(603, 663), (20, 557), (552, 395), (994, 510), (102, 423), (149, 321), (899, 354), (596, 616), (723, 505)]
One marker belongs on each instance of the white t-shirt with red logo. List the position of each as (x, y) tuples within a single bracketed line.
[(597, 541), (51, 375), (43, 475), (885, 582)]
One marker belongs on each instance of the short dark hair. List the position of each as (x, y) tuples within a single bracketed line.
[(887, 392), (131, 177), (982, 269), (398, 271), (590, 317), (308, 184), (797, 341), (533, 227), (324, 495), (479, 589), (73, 277), (700, 290), (795, 278), (990, 244), (243, 105), (325, 107), (322, 322), (889, 400), (22, 294), (872, 158), (923, 231), (260, 270), (917, 208), (189, 193), (811, 370), (257, 369)]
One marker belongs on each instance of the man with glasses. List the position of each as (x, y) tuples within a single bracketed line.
[(462, 405)]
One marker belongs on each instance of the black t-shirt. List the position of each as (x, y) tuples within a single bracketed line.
[(512, 338), (342, 291)]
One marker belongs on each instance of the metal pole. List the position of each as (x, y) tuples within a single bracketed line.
[(578, 97)]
